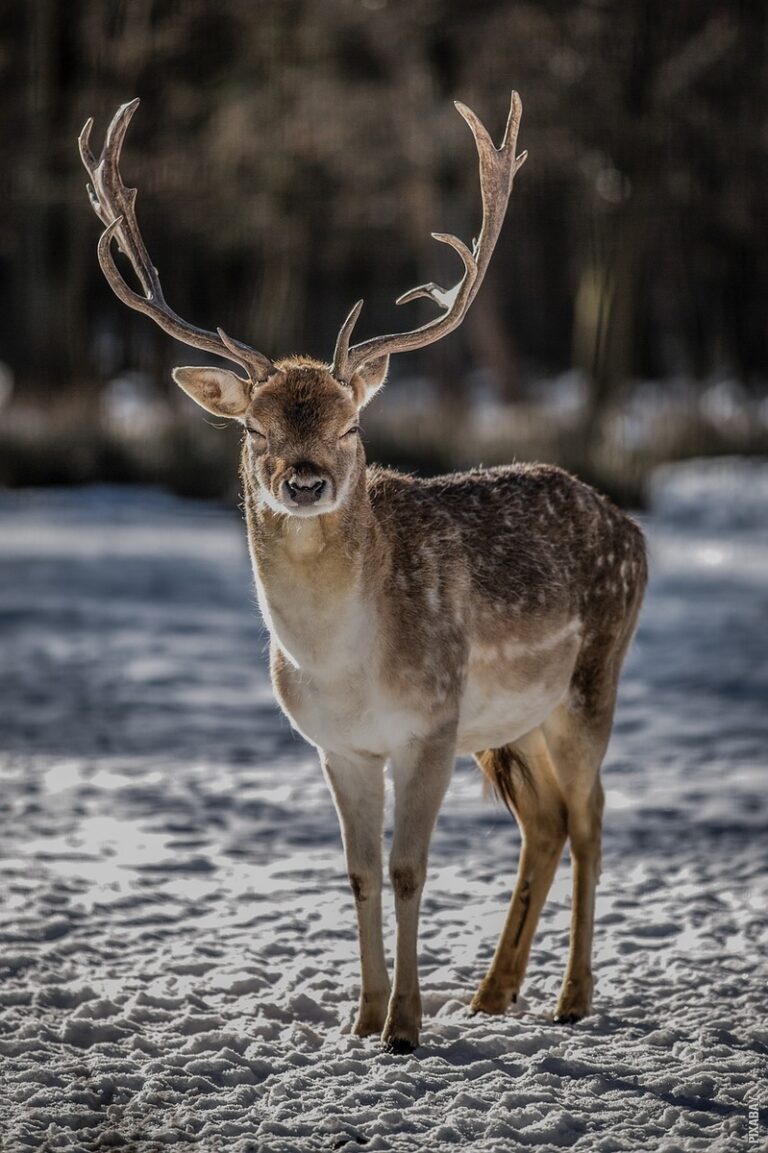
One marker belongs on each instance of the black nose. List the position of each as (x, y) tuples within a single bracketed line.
[(305, 489)]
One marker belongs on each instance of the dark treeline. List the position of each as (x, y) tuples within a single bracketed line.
[(293, 155)]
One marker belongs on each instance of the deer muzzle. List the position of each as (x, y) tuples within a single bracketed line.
[(304, 488)]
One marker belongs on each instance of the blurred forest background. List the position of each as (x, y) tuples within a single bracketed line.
[(294, 155)]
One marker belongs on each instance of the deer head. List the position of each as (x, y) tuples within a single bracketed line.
[(300, 416)]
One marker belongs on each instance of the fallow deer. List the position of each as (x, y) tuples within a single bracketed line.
[(411, 620)]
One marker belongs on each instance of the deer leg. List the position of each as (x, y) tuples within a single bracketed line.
[(420, 776), (541, 815), (585, 833), (578, 746), (358, 792)]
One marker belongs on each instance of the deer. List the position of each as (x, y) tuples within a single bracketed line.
[(414, 619)]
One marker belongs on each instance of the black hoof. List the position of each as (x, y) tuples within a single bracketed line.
[(567, 1018), (398, 1046)]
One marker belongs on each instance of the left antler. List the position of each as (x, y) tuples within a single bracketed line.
[(497, 172), (115, 206)]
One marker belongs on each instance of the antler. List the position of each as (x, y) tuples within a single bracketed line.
[(115, 206), (497, 172)]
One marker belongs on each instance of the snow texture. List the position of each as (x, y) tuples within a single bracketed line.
[(178, 960)]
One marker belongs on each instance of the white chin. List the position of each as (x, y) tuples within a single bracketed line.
[(309, 510)]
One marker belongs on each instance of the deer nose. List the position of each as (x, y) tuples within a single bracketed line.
[(305, 489)]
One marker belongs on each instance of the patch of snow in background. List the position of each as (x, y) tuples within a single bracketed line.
[(178, 953)]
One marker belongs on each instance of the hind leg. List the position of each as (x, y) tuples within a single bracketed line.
[(577, 748), (541, 815), (577, 734)]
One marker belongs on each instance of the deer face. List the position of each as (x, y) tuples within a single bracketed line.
[(302, 443)]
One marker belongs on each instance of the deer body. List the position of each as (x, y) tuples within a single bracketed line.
[(467, 614), (376, 641), (485, 613)]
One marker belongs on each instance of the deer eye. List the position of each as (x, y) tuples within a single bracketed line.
[(256, 433), (351, 431)]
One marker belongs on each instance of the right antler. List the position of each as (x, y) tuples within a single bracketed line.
[(497, 171), (115, 206)]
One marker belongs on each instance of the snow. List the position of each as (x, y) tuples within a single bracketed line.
[(177, 959)]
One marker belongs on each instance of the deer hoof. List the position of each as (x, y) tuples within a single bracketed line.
[(371, 1014), (575, 1002), (491, 999), (367, 1026), (567, 1018), (401, 1032), (399, 1046)]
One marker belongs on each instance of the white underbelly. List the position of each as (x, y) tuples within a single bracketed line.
[(353, 718), (488, 722), (355, 722), (346, 711), (503, 701)]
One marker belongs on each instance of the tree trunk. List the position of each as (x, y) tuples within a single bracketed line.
[(491, 342)]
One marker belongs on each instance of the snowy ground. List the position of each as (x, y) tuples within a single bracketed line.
[(177, 958)]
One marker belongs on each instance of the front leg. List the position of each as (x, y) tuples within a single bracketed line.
[(357, 785), (421, 774)]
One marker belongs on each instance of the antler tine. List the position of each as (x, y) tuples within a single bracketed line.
[(341, 351), (497, 171), (115, 206)]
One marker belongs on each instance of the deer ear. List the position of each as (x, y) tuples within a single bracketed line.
[(367, 381), (215, 389)]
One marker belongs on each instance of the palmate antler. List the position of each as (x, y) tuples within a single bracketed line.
[(115, 206), (497, 172)]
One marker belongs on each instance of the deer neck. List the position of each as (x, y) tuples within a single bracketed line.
[(310, 577)]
